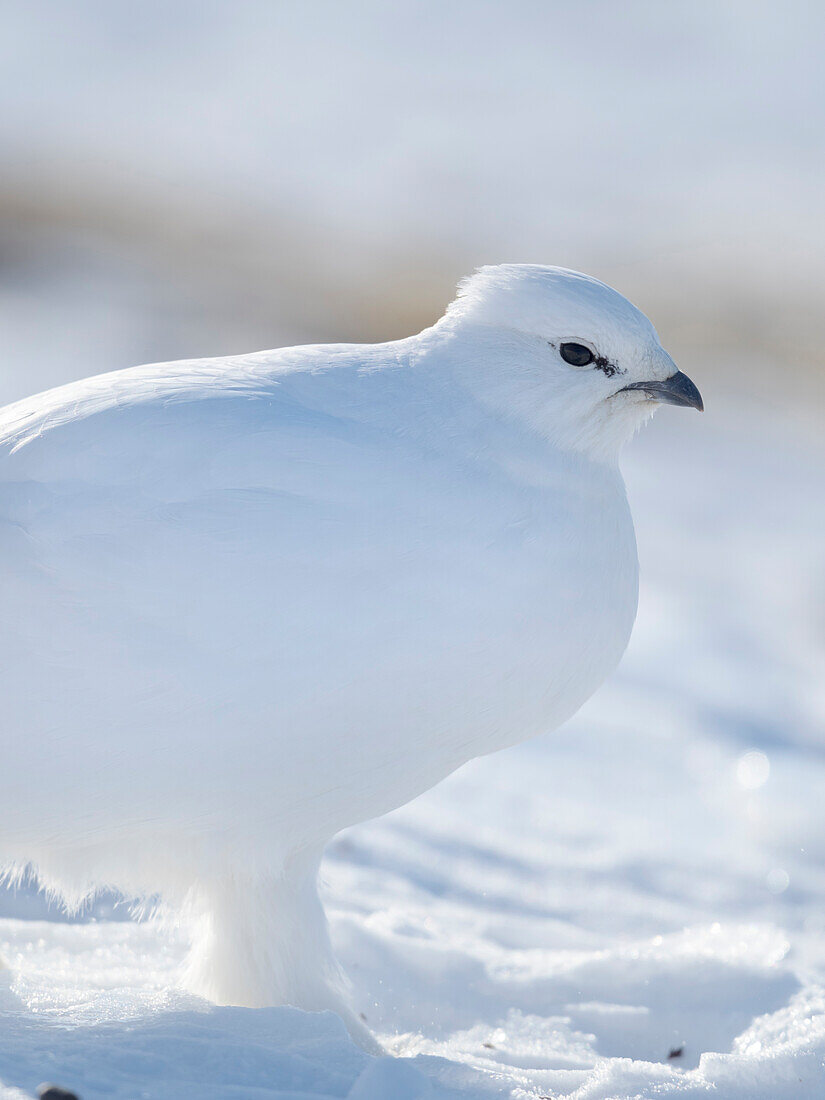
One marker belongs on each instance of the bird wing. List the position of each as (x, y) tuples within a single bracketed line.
[(197, 548)]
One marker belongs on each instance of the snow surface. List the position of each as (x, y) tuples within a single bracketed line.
[(554, 920)]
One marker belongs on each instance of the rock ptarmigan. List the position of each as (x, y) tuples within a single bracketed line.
[(250, 601)]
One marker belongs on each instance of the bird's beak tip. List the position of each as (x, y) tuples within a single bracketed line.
[(676, 390)]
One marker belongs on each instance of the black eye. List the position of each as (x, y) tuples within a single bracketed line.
[(577, 355)]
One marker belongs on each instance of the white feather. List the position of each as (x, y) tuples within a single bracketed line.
[(250, 601)]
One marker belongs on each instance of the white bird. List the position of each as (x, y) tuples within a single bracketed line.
[(249, 601)]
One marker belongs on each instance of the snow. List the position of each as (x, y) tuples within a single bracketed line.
[(557, 919)]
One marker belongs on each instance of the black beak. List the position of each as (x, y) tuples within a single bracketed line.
[(676, 390)]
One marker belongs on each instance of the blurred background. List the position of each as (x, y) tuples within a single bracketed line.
[(190, 177), (182, 179)]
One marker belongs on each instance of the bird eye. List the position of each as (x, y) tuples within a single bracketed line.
[(577, 355)]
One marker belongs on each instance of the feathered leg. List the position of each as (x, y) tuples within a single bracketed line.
[(264, 941)]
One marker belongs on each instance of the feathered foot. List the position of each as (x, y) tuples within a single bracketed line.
[(264, 941)]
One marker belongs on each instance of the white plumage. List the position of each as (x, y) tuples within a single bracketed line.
[(250, 601)]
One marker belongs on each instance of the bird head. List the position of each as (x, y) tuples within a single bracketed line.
[(564, 353)]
